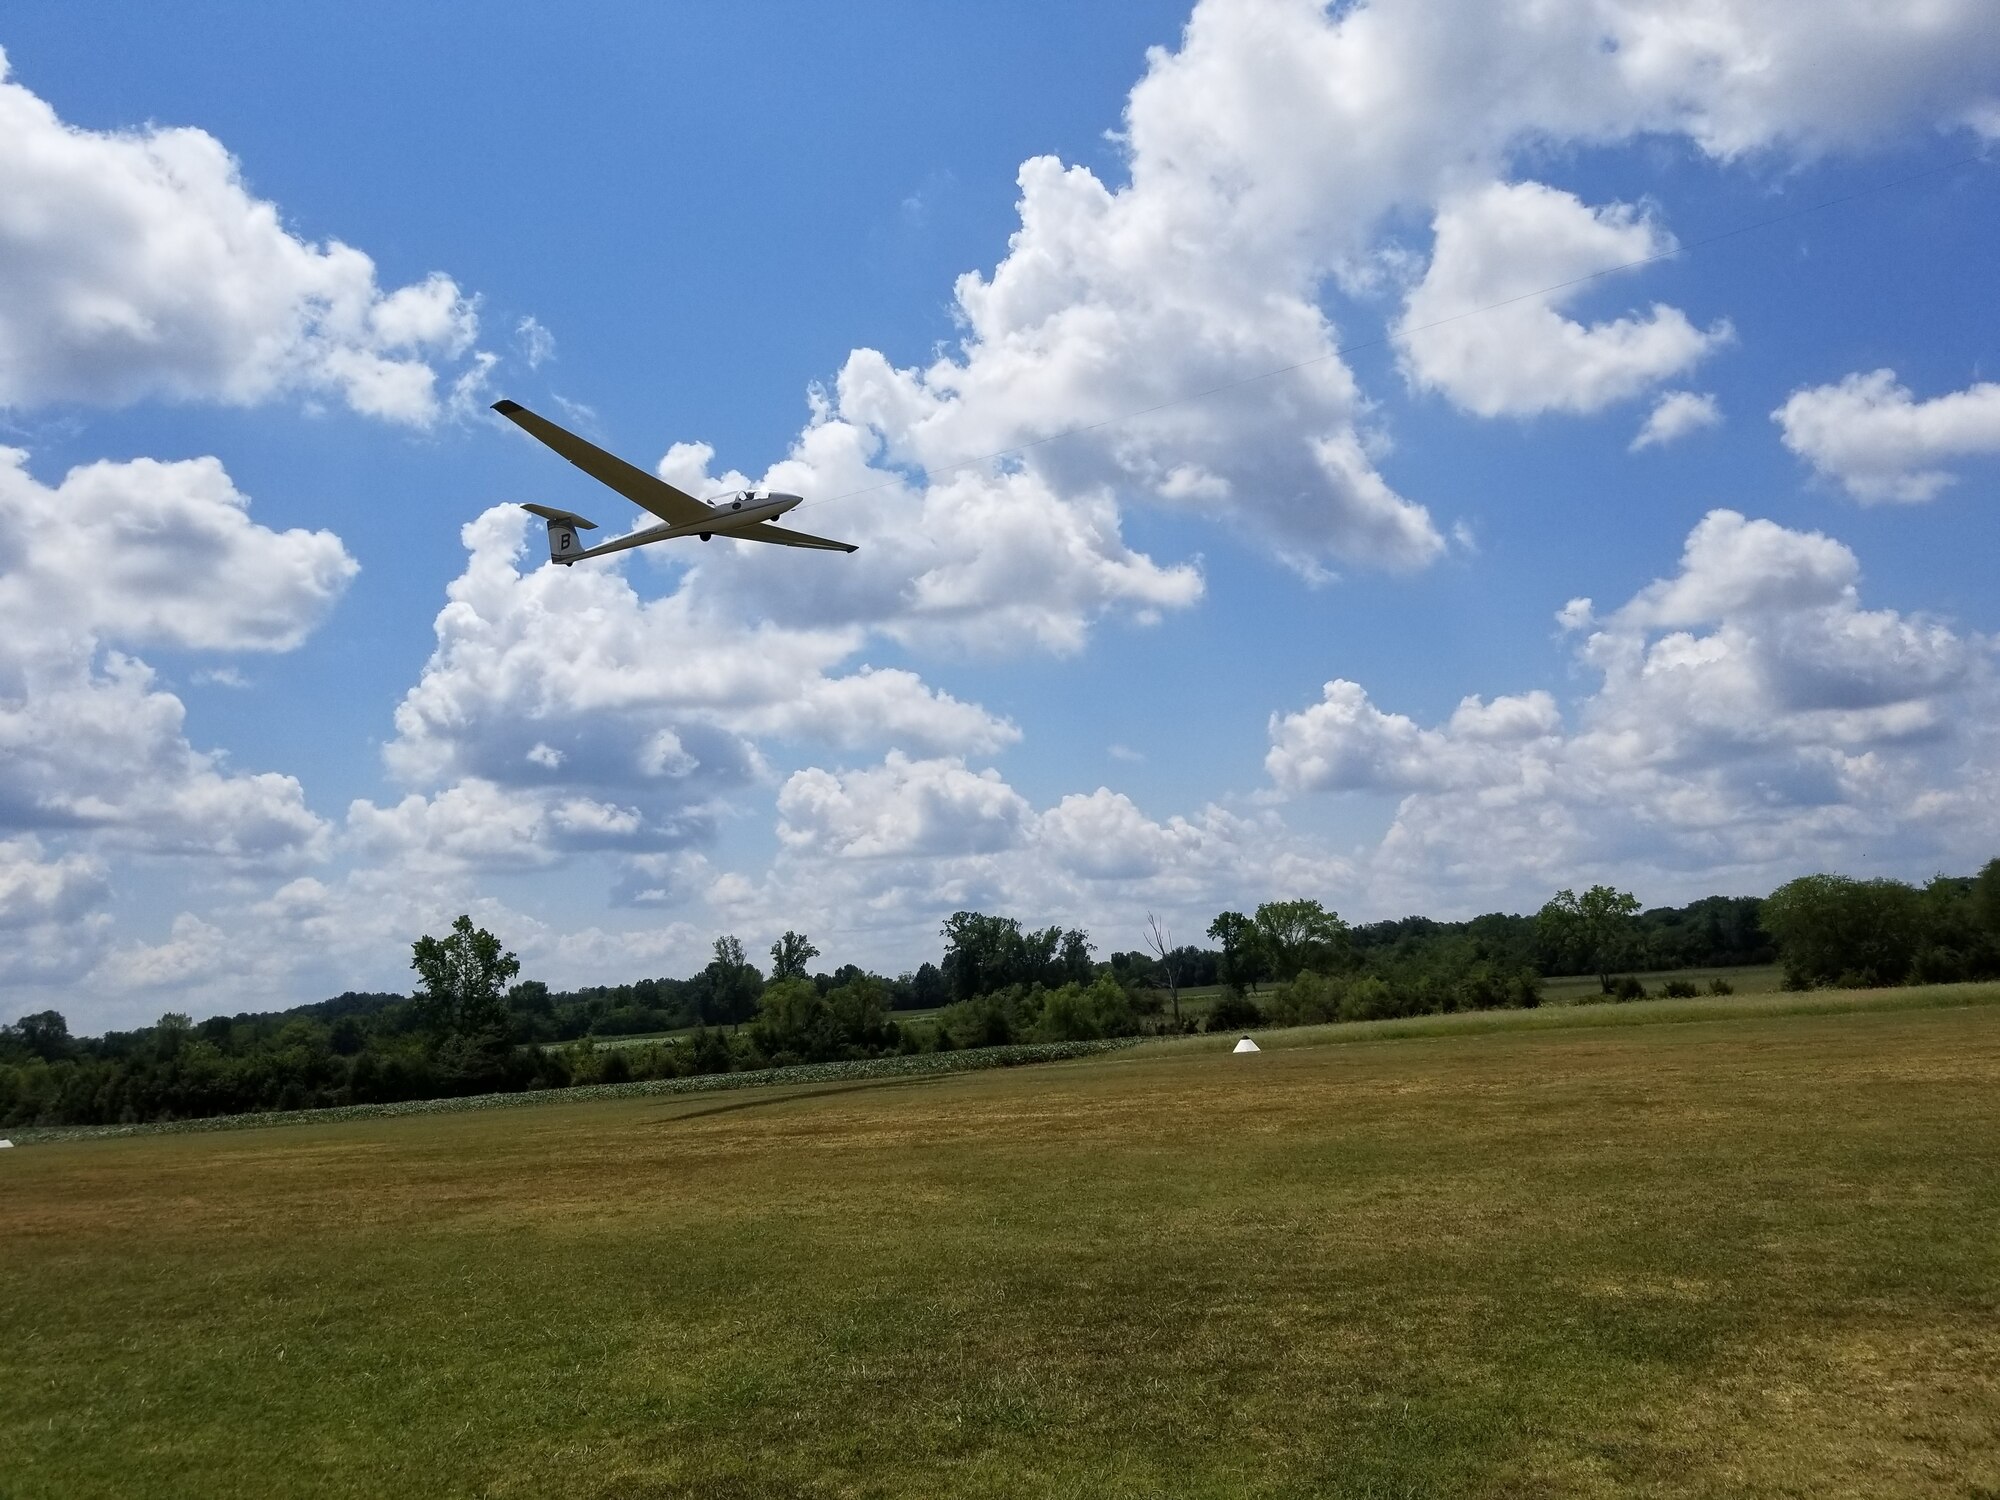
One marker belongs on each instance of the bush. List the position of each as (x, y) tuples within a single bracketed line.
[(1855, 934), (1679, 989), (1721, 987), (1305, 1001), (1235, 1012), (1938, 966), (1371, 999), (1626, 987)]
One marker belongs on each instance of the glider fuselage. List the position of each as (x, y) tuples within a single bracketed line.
[(747, 509)]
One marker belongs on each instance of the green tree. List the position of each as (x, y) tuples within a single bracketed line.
[(1243, 960), (1073, 957), (860, 1012), (1986, 898), (928, 989), (793, 1021), (732, 983), (981, 953), (1833, 929), (171, 1033), (1593, 927), (463, 979), (45, 1034), (790, 955), (1301, 935)]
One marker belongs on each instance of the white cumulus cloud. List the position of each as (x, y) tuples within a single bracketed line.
[(1751, 719), (555, 694), (1479, 328), (1674, 416), (132, 555), (138, 264), (1880, 442), (881, 854)]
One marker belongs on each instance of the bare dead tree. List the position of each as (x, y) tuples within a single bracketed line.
[(1162, 943)]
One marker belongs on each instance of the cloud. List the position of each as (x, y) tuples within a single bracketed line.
[(1277, 150), (98, 749), (53, 924), (536, 343), (148, 553), (1751, 719), (1109, 302), (998, 564), (1495, 248), (560, 711), (902, 808), (478, 825), (1345, 743), (881, 854), (1869, 433), (194, 951), (144, 554), (1674, 416), (35, 890), (137, 264)]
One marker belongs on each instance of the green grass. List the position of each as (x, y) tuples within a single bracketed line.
[(1754, 1252), (1759, 979), (971, 1060)]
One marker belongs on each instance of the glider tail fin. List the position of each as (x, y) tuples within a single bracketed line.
[(564, 544)]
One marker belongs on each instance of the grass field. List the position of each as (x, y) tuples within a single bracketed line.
[(1582, 1252), (1581, 989)]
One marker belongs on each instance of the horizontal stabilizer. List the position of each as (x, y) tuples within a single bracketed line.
[(560, 517)]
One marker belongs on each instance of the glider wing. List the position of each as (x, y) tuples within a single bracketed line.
[(675, 507), (765, 532)]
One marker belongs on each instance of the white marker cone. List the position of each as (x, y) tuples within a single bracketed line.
[(1246, 1045)]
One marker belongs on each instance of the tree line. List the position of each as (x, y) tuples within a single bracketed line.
[(472, 1025)]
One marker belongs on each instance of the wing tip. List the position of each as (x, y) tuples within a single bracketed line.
[(506, 408)]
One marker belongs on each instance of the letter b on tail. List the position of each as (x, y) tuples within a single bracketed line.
[(564, 544)]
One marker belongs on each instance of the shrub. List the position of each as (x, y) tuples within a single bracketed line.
[(1854, 933), (1721, 987), (1938, 966), (1371, 999), (1235, 1012), (1304, 1001), (1627, 987), (1679, 989)]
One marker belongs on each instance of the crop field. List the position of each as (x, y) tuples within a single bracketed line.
[(1743, 1247)]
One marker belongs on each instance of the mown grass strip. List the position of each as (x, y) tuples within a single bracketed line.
[(970, 1060), (1618, 1013)]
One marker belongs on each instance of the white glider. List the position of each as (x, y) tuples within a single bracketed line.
[(746, 516)]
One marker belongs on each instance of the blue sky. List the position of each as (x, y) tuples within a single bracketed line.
[(1679, 577)]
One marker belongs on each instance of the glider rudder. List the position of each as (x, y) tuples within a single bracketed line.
[(564, 544)]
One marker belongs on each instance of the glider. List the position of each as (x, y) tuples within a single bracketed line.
[(746, 516)]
